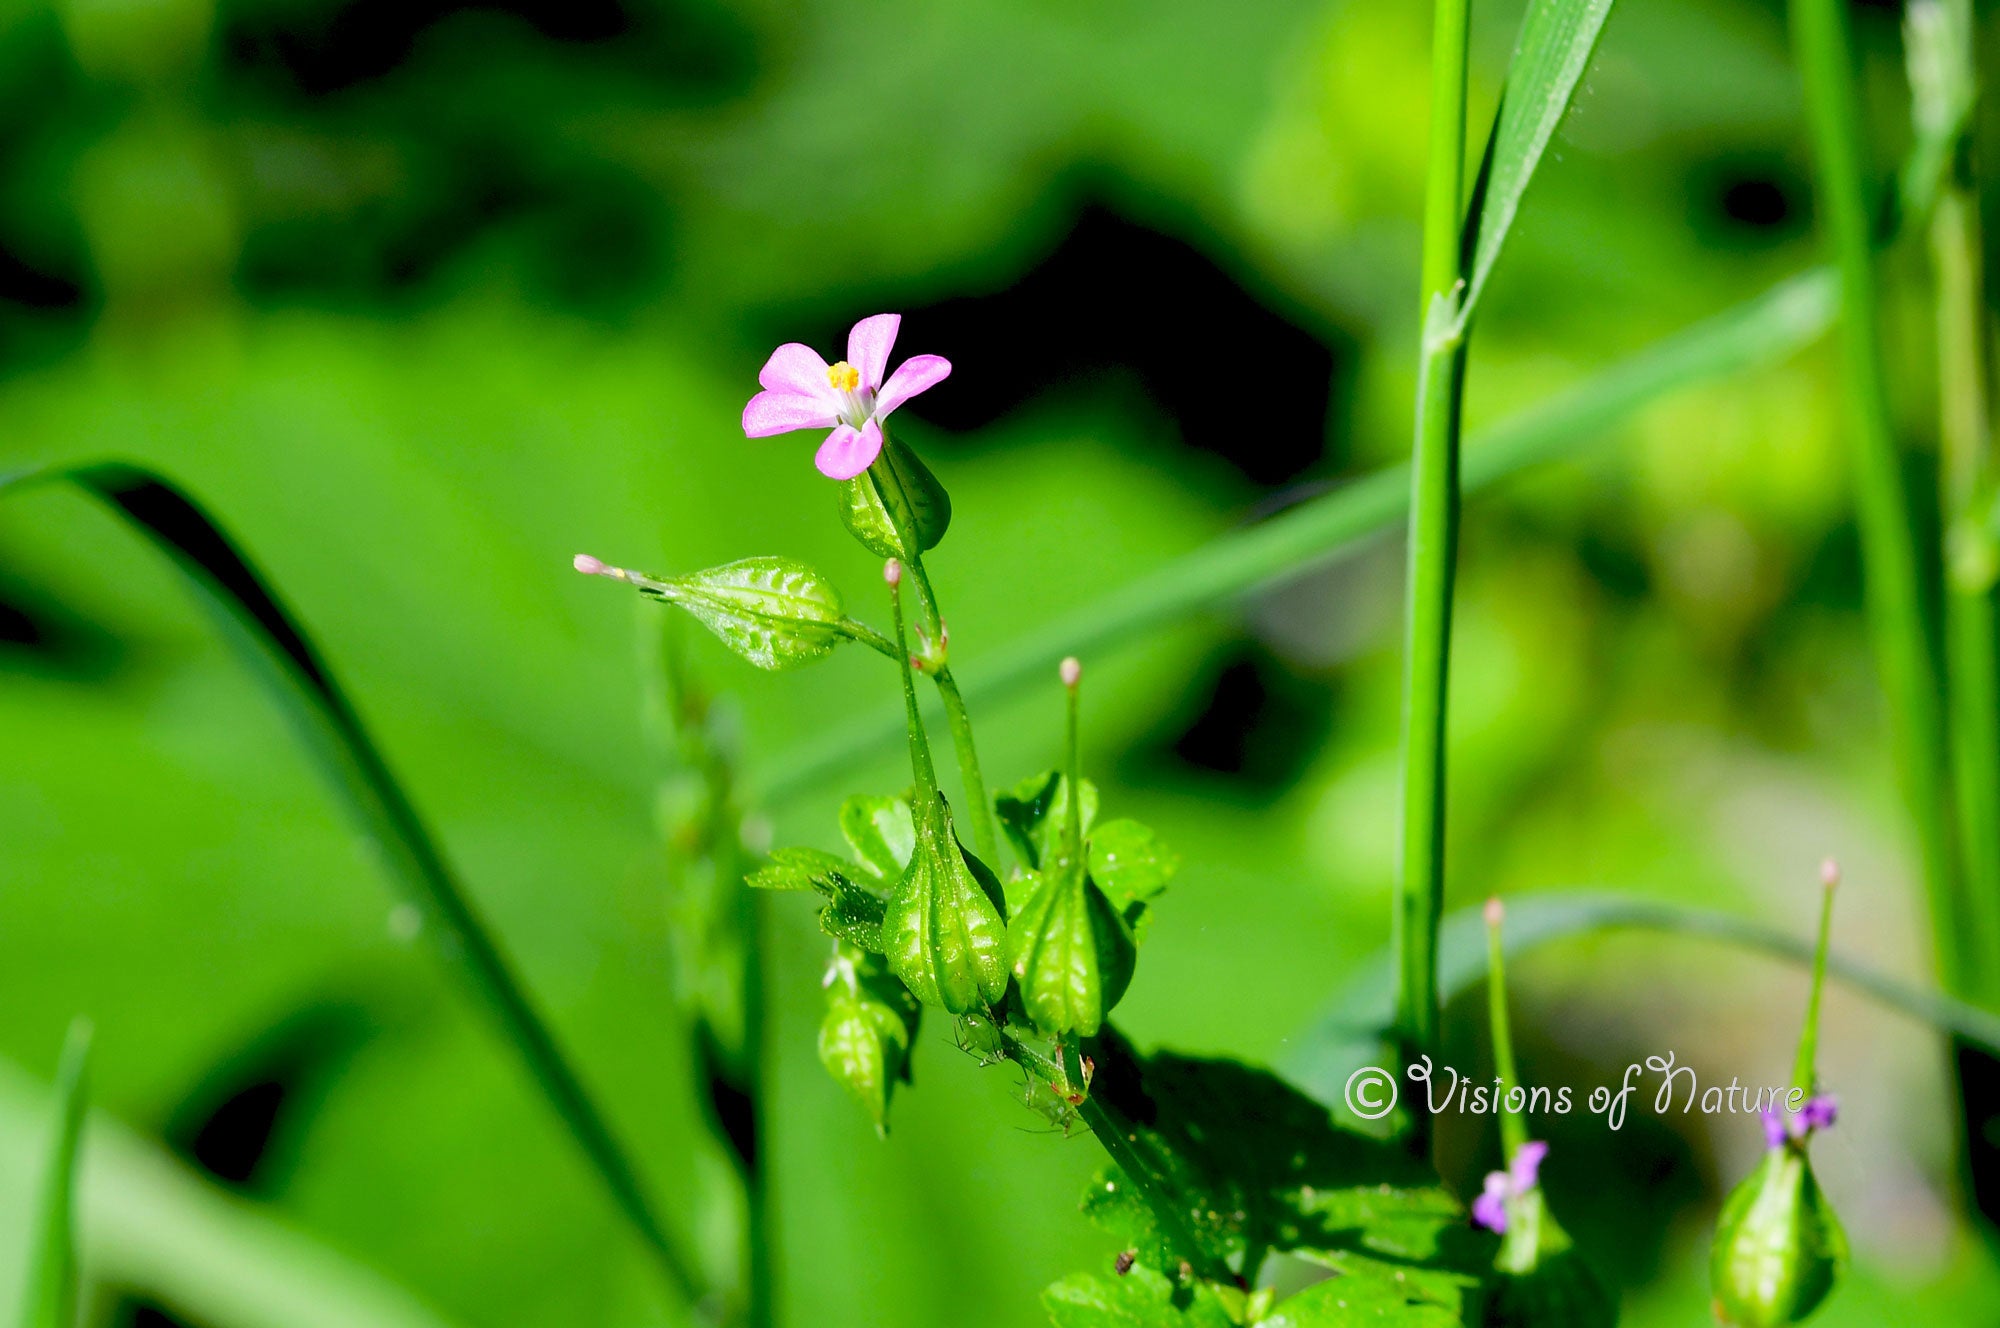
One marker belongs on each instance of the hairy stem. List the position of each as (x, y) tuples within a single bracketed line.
[(1893, 584), (1433, 539)]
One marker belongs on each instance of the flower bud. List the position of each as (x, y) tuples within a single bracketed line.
[(1071, 671)]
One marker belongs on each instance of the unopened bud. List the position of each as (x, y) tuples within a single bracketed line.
[(1071, 671), (1829, 873), (892, 572), (1496, 912), (590, 566)]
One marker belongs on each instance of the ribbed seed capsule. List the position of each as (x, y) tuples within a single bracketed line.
[(871, 1020), (1778, 1247), (943, 933), (1072, 954)]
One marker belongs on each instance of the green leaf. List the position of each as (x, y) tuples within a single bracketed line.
[(1071, 951), (1349, 1301), (266, 636), (1550, 57), (862, 512), (1129, 863), (51, 1293), (1761, 331), (774, 612), (853, 913), (944, 934), (1778, 1248), (871, 1022), (1217, 1163), (881, 833), (1032, 815), (1140, 1298)]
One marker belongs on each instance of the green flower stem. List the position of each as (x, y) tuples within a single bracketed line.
[(896, 502), (920, 747), (1895, 604), (1972, 671), (1513, 1125), (51, 1291), (1804, 1074), (1433, 539)]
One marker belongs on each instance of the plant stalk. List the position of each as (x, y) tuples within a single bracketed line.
[(1892, 582), (1513, 1124), (1432, 554)]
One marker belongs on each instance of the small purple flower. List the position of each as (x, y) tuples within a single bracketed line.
[(1489, 1210), (803, 391), (1781, 1128)]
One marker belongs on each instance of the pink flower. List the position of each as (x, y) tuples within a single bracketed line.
[(1489, 1210), (803, 391)]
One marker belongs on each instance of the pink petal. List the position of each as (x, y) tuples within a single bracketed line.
[(799, 370), (868, 347), (847, 452), (1527, 1165), (1489, 1210), (783, 411), (917, 374)]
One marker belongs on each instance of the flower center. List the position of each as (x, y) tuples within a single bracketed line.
[(843, 376)]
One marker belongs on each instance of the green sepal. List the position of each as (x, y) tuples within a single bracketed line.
[(1071, 951), (853, 913), (774, 612), (1032, 815), (945, 933), (1778, 1249), (1539, 1279), (862, 512), (871, 1023)]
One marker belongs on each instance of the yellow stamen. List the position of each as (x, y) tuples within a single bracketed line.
[(844, 376)]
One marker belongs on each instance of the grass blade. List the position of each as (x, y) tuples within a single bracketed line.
[(1760, 331), (51, 1296), (275, 645), (1349, 1032), (1550, 56)]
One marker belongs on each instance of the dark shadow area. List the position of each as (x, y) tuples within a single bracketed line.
[(1115, 298), (243, 1123), (42, 637), (1246, 715), (146, 1314), (1749, 202)]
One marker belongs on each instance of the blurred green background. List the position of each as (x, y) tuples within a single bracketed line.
[(421, 298)]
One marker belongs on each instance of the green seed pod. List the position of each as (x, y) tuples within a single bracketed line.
[(1072, 954), (1540, 1278), (943, 931), (1778, 1246), (871, 1020)]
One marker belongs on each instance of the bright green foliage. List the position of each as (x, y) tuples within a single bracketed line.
[(1778, 1246), (1140, 1298), (944, 934), (871, 1021), (1220, 1164), (1348, 1302), (51, 1296), (1033, 815), (774, 612), (1071, 951), (1550, 57), (853, 912), (1541, 1281), (1129, 863), (881, 833), (862, 512)]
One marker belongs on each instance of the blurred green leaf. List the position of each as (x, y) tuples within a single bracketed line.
[(51, 1296), (274, 644), (1550, 57), (862, 512), (1350, 1301), (774, 612)]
